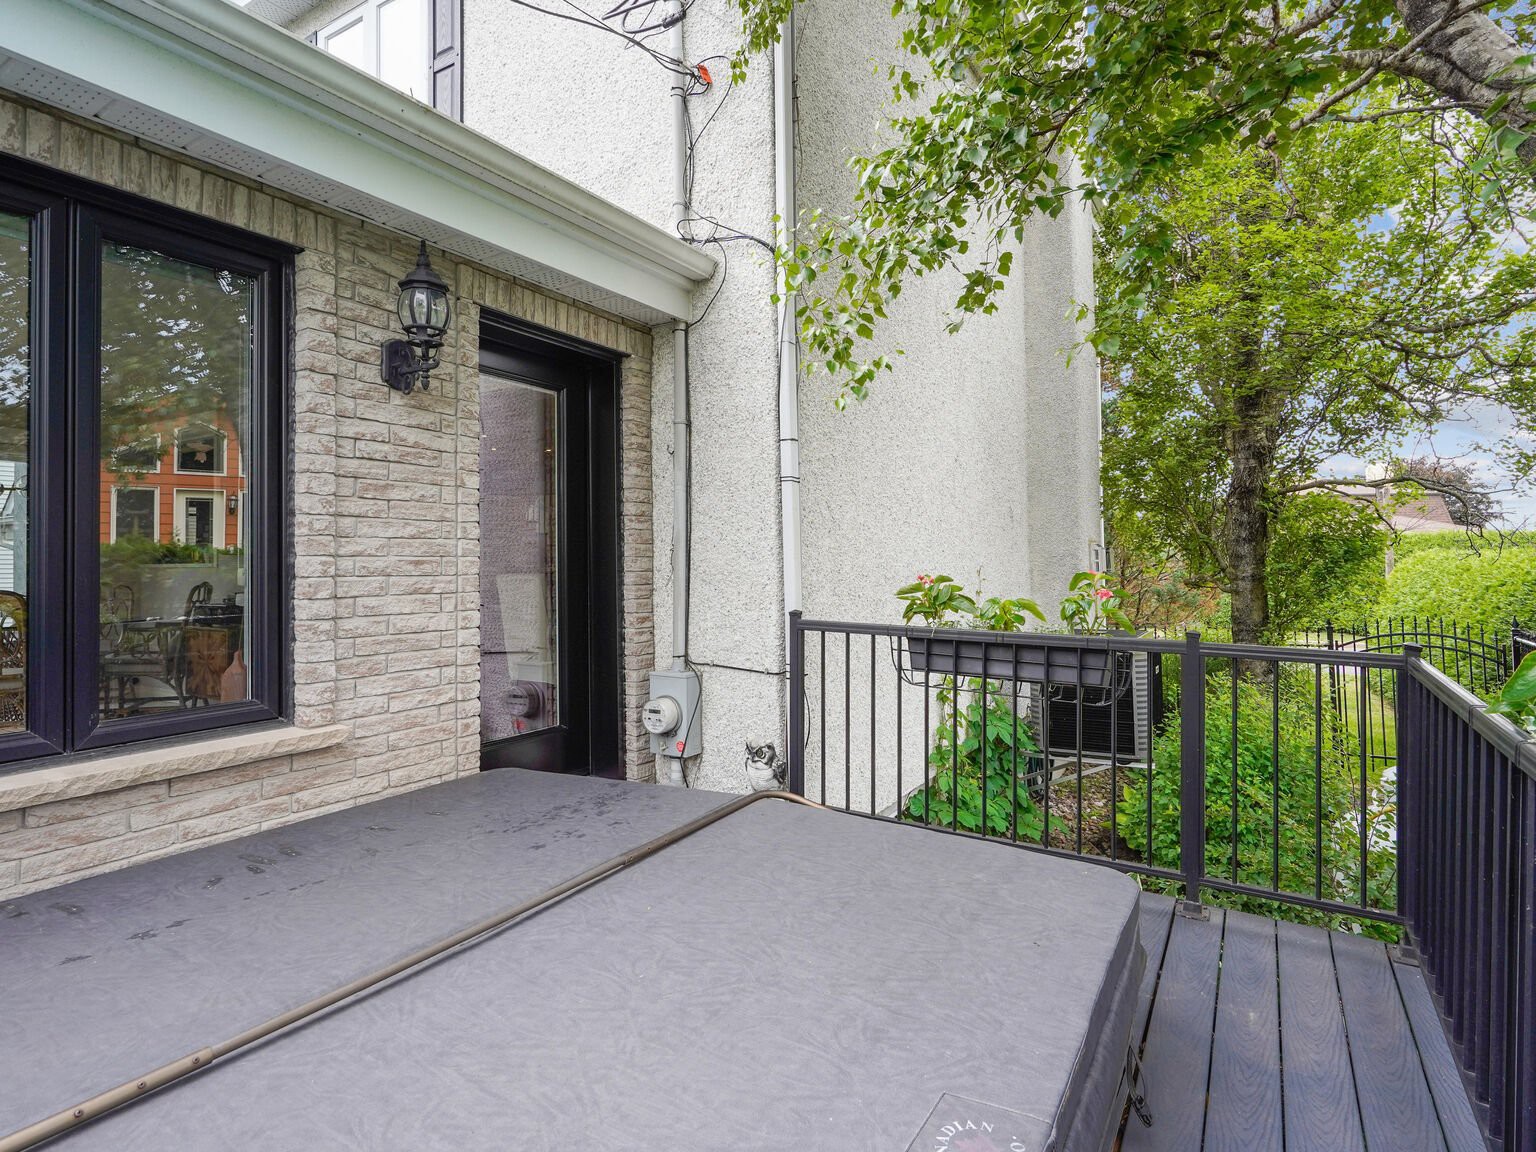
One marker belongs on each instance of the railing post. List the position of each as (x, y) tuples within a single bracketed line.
[(1409, 721), (1192, 769), (795, 753)]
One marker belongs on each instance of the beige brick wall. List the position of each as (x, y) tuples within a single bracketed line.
[(385, 534)]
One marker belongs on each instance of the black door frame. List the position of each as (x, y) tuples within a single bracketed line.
[(589, 737)]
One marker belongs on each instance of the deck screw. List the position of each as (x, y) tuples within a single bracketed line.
[(79, 1112), (143, 1084)]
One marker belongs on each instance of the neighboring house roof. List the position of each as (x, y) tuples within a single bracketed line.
[(206, 78), (1424, 512)]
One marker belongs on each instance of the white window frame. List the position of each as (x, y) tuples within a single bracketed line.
[(179, 511), (116, 488), (368, 12), (221, 470)]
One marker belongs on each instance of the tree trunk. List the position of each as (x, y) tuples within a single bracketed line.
[(1467, 57), (1250, 445)]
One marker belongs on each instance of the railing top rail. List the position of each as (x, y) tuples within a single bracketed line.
[(1118, 642), (1506, 738)]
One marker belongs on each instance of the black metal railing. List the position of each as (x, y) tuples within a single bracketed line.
[(1468, 827), (1311, 783), (1264, 773)]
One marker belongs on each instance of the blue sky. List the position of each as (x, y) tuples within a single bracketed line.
[(1468, 438)]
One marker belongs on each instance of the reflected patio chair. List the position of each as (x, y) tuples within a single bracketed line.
[(199, 597), (116, 610), (136, 651)]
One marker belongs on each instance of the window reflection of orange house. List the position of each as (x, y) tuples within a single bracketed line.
[(182, 484)]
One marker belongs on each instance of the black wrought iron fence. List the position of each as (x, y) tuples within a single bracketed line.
[(1478, 658), (1302, 781)]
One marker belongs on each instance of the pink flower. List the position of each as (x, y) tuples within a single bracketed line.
[(1103, 593)]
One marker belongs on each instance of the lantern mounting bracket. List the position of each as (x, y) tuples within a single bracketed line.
[(401, 364)]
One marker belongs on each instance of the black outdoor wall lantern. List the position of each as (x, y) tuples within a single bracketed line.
[(423, 310)]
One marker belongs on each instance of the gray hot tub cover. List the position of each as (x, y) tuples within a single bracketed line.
[(784, 979)]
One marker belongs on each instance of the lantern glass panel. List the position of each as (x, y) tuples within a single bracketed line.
[(439, 312), (414, 304)]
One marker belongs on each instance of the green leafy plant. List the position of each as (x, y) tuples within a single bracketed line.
[(934, 599), (1093, 603), (1007, 615), (982, 749), (981, 758), (1258, 767), (1517, 699)]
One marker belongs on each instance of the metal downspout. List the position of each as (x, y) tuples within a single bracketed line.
[(681, 427), (789, 334)]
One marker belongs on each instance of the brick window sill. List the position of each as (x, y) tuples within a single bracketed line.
[(107, 772)]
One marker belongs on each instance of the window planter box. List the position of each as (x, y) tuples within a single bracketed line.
[(1011, 659)]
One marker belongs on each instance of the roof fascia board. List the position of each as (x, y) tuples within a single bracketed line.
[(314, 113), (274, 52)]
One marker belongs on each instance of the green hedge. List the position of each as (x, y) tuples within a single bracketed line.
[(1437, 577)]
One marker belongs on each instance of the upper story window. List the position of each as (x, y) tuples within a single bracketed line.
[(136, 600), (143, 456), (200, 448), (390, 39)]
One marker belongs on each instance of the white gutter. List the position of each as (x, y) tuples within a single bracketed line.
[(789, 333), (212, 67)]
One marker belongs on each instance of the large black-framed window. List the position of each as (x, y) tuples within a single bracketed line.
[(142, 571)]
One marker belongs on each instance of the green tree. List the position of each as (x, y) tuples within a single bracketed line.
[(1294, 321), (998, 95), (1328, 562), (1468, 500)]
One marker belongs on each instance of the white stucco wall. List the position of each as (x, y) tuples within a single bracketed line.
[(977, 456), (575, 99), (1061, 446), (736, 615)]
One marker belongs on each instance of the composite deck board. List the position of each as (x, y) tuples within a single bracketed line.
[(1243, 1112), (1156, 918), (1178, 1049), (1320, 1107), (1445, 1084), (1249, 1012), (1397, 1110)]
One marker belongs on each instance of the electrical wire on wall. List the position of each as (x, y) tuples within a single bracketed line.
[(579, 15), (638, 17)]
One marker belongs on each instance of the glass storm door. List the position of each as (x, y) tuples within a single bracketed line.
[(548, 647)]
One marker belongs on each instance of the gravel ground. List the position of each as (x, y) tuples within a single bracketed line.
[(1097, 801)]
